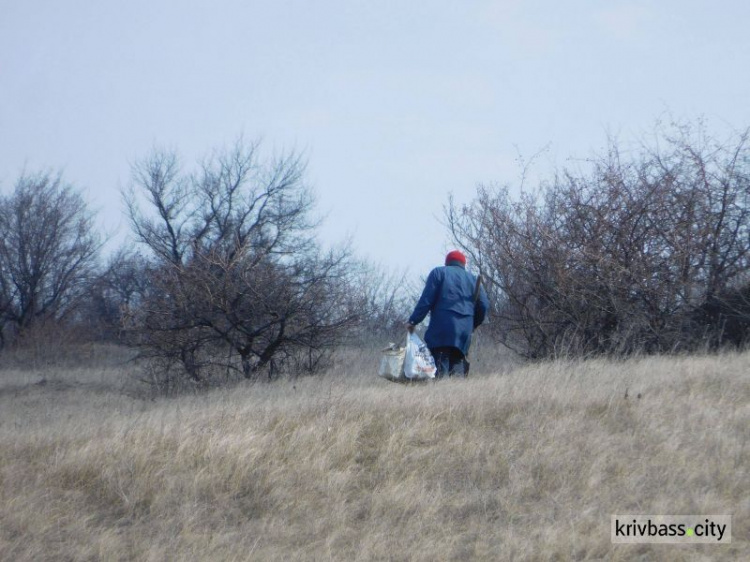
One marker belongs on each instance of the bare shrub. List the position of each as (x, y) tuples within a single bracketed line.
[(386, 299), (237, 284), (619, 257), (119, 288)]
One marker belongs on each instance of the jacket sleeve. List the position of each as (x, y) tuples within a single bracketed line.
[(481, 307), (428, 299)]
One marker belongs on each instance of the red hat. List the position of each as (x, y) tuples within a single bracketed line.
[(455, 255)]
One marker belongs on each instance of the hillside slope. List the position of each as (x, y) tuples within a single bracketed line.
[(524, 465)]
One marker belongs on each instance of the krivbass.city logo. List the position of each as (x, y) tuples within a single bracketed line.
[(674, 529)]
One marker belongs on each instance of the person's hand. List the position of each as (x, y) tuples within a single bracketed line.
[(410, 327)]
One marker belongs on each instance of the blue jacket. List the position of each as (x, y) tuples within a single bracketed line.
[(448, 296)]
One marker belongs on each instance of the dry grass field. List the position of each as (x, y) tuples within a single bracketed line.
[(524, 464)]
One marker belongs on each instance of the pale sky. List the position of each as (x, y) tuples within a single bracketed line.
[(395, 104)]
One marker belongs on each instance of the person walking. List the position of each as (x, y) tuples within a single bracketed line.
[(449, 298)]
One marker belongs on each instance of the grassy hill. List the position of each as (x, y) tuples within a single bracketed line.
[(528, 463)]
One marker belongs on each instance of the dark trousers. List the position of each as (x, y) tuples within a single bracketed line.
[(449, 362)]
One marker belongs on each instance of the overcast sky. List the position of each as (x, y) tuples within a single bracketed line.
[(395, 104)]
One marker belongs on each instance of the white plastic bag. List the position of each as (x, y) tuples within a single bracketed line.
[(392, 363), (418, 361)]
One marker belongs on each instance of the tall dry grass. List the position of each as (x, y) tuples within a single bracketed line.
[(528, 464)]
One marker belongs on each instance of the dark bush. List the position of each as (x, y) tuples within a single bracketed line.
[(640, 251), (237, 285)]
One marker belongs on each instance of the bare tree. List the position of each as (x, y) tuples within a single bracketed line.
[(119, 288), (48, 252), (623, 256), (238, 283)]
